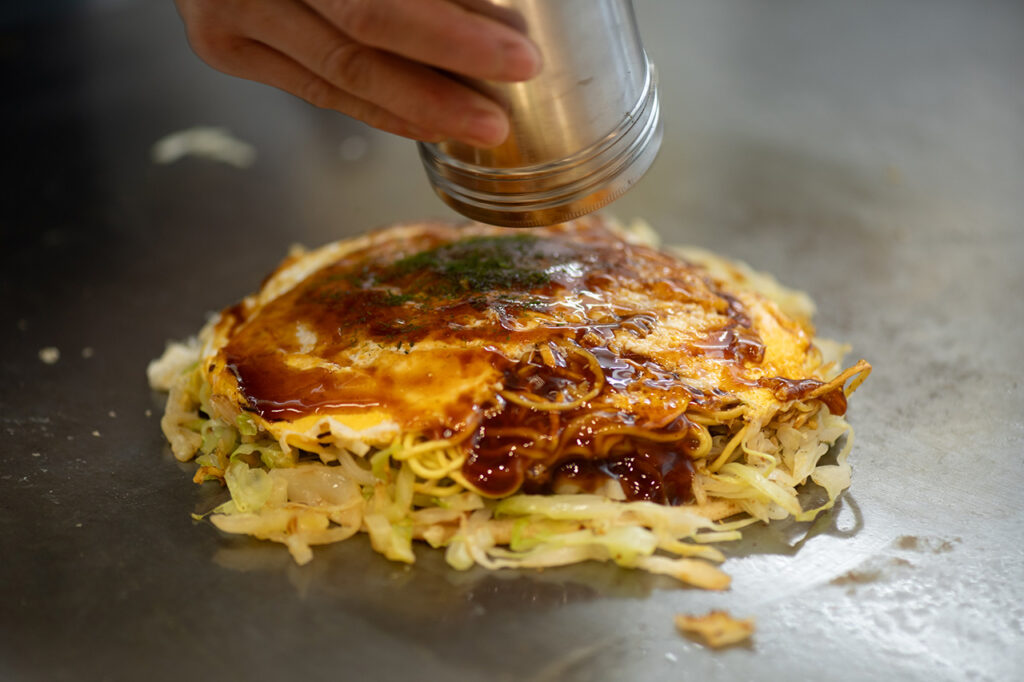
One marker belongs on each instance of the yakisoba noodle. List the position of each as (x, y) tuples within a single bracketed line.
[(520, 399)]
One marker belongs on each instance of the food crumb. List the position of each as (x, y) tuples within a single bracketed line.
[(149, 413), (112, 414), (37, 454), (925, 544), (49, 355), (78, 525), (671, 656), (96, 433), (205, 142), (87, 352), (716, 628)]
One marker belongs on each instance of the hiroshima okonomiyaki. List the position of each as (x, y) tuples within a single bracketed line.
[(518, 398)]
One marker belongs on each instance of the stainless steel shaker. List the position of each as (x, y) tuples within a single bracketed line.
[(582, 132)]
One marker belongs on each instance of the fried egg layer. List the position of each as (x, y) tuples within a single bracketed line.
[(416, 329)]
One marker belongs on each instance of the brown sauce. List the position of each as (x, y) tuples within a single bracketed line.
[(439, 316), (798, 389), (518, 446), (732, 343), (651, 472)]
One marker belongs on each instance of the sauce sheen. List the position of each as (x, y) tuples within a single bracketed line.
[(447, 329)]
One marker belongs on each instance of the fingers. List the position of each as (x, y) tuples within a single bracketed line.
[(255, 61), (440, 33), (375, 60), (410, 91)]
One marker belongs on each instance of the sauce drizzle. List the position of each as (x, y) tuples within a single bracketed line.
[(442, 328)]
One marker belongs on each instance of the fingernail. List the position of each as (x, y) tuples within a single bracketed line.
[(485, 127), (521, 60)]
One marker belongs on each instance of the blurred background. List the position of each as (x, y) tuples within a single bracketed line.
[(870, 153)]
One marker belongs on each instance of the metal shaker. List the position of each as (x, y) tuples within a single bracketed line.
[(582, 132)]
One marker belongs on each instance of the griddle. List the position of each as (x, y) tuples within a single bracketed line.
[(870, 153)]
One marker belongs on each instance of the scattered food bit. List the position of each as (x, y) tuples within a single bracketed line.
[(112, 414), (78, 525), (908, 542), (96, 433), (870, 571), (935, 545), (50, 355), (214, 144), (717, 628), (87, 352), (856, 577), (149, 413), (671, 656), (37, 454)]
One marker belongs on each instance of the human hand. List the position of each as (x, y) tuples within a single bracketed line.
[(375, 60)]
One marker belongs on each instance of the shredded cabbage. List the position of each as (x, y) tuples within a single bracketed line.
[(250, 488), (301, 499)]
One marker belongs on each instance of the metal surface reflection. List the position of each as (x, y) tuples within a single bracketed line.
[(868, 153)]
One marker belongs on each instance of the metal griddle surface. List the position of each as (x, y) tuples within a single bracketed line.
[(870, 153)]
